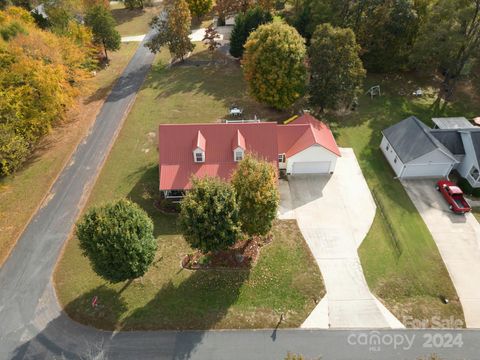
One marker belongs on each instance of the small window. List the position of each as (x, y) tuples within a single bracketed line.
[(238, 155), (199, 157), (474, 173), (281, 158), (387, 147), (395, 160)]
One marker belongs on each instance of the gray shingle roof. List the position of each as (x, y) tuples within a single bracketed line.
[(452, 123), (475, 136), (451, 139), (411, 139)]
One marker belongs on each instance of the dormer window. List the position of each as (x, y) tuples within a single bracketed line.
[(199, 156), (199, 146), (238, 154), (238, 146)]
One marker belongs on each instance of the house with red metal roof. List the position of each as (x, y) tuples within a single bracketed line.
[(304, 146)]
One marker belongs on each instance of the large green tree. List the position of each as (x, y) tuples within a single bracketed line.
[(103, 28), (118, 240), (173, 29), (385, 29), (274, 64), (245, 24), (255, 183), (209, 215), (336, 70), (449, 41), (199, 8)]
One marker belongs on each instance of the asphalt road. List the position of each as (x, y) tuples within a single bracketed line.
[(32, 326)]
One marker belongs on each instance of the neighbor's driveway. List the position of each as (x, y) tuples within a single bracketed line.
[(457, 238), (334, 214)]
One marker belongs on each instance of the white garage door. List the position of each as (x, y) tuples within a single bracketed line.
[(313, 167), (426, 170)]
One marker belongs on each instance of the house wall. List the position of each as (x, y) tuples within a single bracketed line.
[(468, 161), (312, 154), (433, 164), (391, 155)]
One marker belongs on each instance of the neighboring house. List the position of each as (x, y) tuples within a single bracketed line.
[(305, 146), (415, 150)]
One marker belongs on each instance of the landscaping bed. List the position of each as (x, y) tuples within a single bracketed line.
[(242, 255)]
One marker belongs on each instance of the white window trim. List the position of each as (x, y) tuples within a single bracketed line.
[(470, 173), (238, 151), (282, 158), (195, 153)]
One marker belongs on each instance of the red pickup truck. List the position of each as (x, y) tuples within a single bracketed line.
[(454, 196)]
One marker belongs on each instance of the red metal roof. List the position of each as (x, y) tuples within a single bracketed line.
[(266, 140), (176, 165), (304, 132), (238, 141), (199, 142)]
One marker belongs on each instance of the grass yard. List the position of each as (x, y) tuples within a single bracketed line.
[(21, 194), (400, 259), (135, 21), (285, 279)]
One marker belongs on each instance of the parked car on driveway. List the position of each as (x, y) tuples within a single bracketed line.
[(454, 196)]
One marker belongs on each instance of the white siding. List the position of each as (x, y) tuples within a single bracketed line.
[(468, 161), (391, 156), (433, 164), (315, 153)]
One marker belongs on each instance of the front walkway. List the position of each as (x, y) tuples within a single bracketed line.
[(334, 214), (458, 240)]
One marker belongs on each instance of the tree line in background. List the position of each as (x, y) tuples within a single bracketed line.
[(341, 39), (43, 64)]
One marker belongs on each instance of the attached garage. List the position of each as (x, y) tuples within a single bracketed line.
[(314, 167), (426, 170), (413, 151), (313, 160)]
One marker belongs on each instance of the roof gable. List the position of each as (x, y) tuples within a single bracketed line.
[(304, 132), (411, 139)]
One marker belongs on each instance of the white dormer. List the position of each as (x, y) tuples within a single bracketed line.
[(238, 146), (199, 146)]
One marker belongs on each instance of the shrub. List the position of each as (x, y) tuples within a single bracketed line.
[(255, 183), (13, 151), (209, 215), (118, 240)]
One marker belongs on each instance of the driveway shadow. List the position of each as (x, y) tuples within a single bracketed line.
[(306, 188)]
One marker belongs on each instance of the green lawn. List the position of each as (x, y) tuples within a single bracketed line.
[(285, 279), (400, 259), (135, 21), (21, 194)]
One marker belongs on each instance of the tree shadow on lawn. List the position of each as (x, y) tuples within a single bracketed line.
[(126, 15), (224, 83), (104, 315), (199, 302), (145, 192)]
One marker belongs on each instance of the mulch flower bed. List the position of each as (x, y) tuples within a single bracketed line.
[(240, 256)]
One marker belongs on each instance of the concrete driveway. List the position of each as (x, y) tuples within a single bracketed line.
[(458, 240), (334, 214)]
